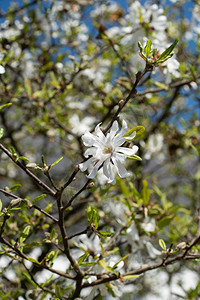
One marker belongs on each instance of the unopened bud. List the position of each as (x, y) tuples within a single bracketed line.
[(15, 202), (90, 185), (31, 165), (121, 103), (181, 245)]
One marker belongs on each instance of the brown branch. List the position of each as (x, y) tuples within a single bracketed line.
[(29, 173), (34, 206)]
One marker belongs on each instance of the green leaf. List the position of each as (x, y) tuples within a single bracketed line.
[(162, 244), (83, 257), (123, 258), (135, 157), (167, 53), (5, 106), (130, 276), (38, 198), (33, 260), (104, 234), (15, 187), (1, 132), (93, 216), (25, 234), (164, 221), (104, 265), (59, 292), (52, 234), (147, 48), (27, 85), (47, 281), (88, 264), (0, 205), (56, 162), (145, 192), (139, 131), (23, 158)]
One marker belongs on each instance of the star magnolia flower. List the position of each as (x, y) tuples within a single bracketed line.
[(106, 151)]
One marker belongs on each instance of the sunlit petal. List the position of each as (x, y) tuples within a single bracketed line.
[(120, 168)]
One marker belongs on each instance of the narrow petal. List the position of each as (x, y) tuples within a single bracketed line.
[(127, 151), (90, 151), (99, 133), (123, 130), (114, 129), (130, 137), (120, 168), (88, 139), (107, 170), (95, 170), (118, 141), (84, 166)]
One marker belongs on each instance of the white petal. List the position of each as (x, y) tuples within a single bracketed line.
[(130, 137), (127, 151), (123, 129), (120, 168), (118, 141), (88, 139), (99, 133), (95, 170), (90, 151), (83, 166), (114, 129), (107, 170)]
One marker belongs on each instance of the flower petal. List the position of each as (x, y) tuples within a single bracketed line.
[(90, 151), (95, 169), (127, 151), (107, 170), (88, 139), (84, 165), (99, 132), (120, 168)]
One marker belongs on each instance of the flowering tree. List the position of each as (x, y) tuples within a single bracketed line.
[(99, 150)]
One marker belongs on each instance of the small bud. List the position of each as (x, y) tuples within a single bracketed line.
[(15, 202), (121, 103), (31, 165), (181, 246), (90, 185)]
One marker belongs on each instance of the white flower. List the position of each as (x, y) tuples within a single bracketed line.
[(106, 151)]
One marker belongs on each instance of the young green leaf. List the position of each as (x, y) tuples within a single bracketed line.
[(27, 85), (104, 265), (167, 53), (0, 204), (93, 216), (5, 106), (138, 129), (38, 198), (1, 132), (162, 244), (130, 276), (135, 157), (147, 48), (56, 162), (145, 192)]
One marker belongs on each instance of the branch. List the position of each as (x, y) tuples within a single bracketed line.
[(29, 173)]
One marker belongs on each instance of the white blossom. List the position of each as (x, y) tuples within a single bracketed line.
[(107, 151)]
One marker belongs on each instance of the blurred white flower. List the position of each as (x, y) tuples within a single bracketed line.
[(2, 69), (106, 151), (155, 145)]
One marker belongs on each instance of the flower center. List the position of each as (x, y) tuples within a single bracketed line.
[(107, 150)]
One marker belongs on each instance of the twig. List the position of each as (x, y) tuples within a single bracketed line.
[(30, 174)]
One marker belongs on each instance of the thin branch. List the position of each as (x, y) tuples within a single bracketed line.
[(34, 206), (29, 173)]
